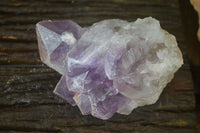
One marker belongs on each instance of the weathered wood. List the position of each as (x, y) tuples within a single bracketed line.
[(19, 18), (26, 85), (196, 5), (190, 21), (27, 102)]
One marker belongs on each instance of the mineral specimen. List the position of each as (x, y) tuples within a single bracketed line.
[(111, 66)]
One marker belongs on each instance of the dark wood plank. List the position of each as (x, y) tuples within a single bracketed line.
[(26, 85), (27, 102), (190, 21), (19, 18)]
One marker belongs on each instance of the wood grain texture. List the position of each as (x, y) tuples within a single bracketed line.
[(190, 22), (27, 102)]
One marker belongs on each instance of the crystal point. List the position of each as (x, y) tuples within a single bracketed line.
[(111, 66), (55, 39)]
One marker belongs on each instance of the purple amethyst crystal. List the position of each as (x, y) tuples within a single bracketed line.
[(111, 66), (55, 39)]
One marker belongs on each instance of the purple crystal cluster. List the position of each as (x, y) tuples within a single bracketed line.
[(111, 66)]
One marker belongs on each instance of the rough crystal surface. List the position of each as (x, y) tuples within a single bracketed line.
[(111, 66)]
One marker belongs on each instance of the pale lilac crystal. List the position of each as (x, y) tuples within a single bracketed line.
[(55, 39), (111, 66), (63, 91)]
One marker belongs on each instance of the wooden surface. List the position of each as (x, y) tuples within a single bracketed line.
[(190, 22), (27, 102), (196, 6)]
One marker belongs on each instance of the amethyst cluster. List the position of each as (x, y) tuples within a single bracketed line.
[(111, 66)]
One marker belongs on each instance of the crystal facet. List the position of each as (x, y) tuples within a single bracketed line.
[(55, 39), (111, 66)]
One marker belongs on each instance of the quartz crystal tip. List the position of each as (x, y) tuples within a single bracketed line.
[(55, 39), (111, 66)]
